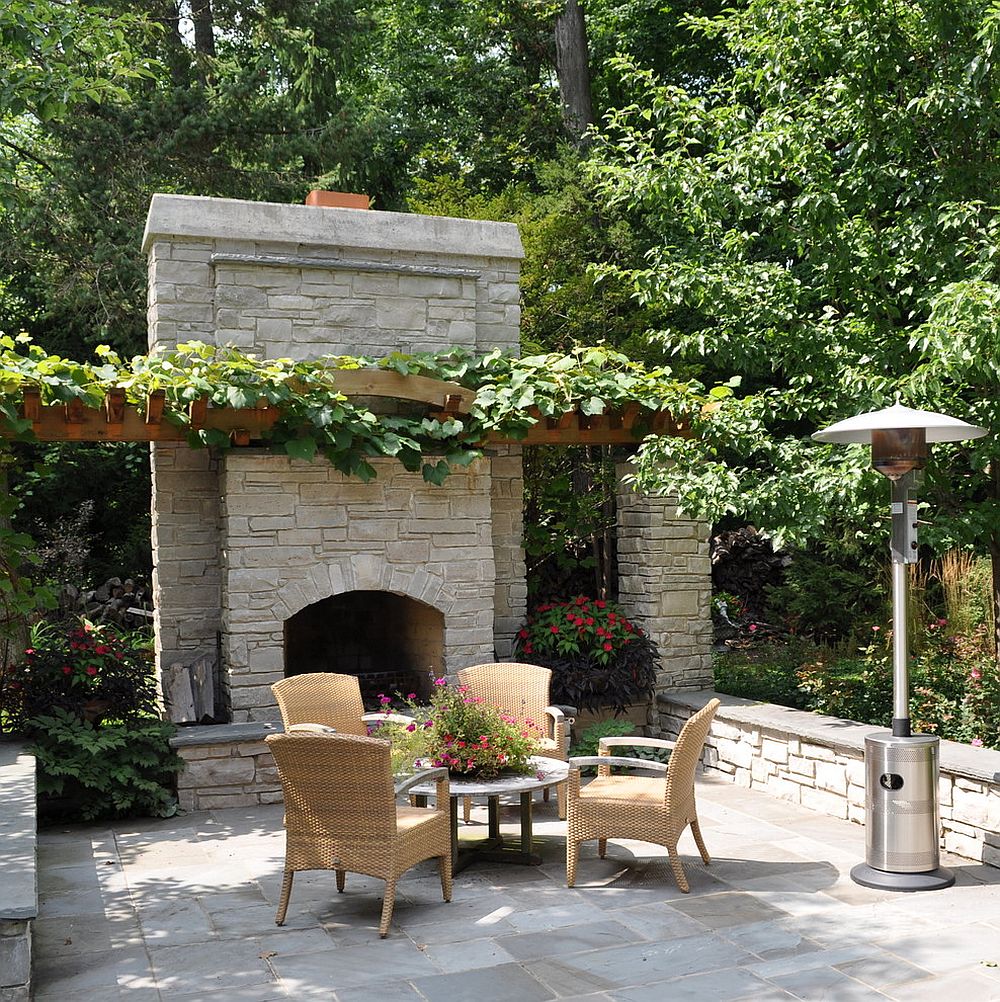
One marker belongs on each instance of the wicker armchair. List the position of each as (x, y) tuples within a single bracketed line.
[(522, 691), (340, 814), (649, 809), (327, 699)]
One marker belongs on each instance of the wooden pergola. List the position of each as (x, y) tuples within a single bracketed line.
[(118, 421)]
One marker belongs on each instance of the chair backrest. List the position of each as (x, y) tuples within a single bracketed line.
[(335, 785), (321, 698), (687, 751), (519, 690)]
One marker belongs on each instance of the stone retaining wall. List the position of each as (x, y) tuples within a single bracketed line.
[(818, 762), (18, 870), (226, 765)]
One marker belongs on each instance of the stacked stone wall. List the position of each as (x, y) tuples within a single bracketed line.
[(818, 762)]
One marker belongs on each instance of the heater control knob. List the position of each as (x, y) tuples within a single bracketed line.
[(890, 781)]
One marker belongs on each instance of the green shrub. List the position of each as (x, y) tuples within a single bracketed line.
[(954, 687), (112, 770), (588, 743)]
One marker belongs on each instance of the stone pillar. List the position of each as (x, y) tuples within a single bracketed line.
[(187, 579), (665, 584), (507, 499)]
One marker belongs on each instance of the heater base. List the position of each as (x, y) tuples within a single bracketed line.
[(931, 880)]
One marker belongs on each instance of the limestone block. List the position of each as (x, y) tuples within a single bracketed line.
[(831, 776), (963, 845), (739, 753), (15, 953), (802, 766), (824, 802), (218, 772), (211, 802), (975, 808), (819, 752), (271, 797)]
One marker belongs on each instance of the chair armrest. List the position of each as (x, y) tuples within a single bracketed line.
[(621, 760), (424, 776), (633, 742), (380, 717), (311, 729)]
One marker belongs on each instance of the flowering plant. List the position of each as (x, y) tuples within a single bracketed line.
[(597, 655), (461, 733), (79, 669)]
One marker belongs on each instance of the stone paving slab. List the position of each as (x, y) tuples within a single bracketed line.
[(183, 909)]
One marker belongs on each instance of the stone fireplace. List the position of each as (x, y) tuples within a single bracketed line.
[(268, 565), (265, 565)]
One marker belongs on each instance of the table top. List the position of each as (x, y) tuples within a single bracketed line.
[(547, 771)]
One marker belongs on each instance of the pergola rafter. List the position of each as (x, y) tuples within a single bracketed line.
[(118, 420)]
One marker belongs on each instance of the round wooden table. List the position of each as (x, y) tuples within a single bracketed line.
[(495, 848)]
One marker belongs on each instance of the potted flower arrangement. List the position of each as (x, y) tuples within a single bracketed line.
[(461, 733), (598, 656)]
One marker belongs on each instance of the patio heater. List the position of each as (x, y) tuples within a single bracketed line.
[(901, 769)]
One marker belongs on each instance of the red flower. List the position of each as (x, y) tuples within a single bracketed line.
[(600, 604), (571, 616), (102, 649), (609, 647), (67, 670), (590, 621), (523, 634), (528, 649), (91, 670), (553, 629)]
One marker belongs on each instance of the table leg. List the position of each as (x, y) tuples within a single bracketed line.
[(526, 855), (493, 813), (453, 809)]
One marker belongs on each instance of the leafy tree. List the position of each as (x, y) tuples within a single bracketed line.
[(823, 229)]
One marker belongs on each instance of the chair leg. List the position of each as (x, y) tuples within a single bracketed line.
[(286, 893), (572, 856), (677, 867), (561, 800), (444, 868), (696, 832), (602, 847), (341, 874), (387, 903), (466, 809)]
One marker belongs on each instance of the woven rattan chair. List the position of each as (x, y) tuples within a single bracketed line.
[(650, 809), (327, 699), (340, 814), (522, 691)]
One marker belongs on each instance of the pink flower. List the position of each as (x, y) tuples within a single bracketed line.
[(975, 673), (440, 681), (411, 727), (752, 627), (976, 742), (875, 629), (384, 700), (411, 695)]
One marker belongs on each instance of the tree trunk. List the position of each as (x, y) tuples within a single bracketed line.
[(204, 37), (573, 70)]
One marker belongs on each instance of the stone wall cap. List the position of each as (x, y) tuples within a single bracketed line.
[(198, 217), (18, 833), (982, 764), (221, 734)]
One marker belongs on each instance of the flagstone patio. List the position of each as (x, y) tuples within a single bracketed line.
[(183, 909)]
